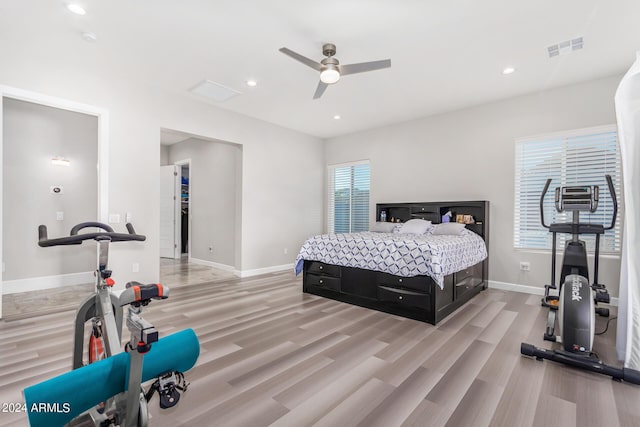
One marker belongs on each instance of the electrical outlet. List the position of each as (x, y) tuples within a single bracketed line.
[(135, 267), (525, 266), (210, 249), (286, 251)]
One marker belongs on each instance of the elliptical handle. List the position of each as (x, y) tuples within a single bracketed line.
[(544, 193), (612, 191), (596, 199)]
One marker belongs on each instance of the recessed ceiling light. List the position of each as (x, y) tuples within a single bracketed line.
[(252, 83), (508, 70), (77, 9), (337, 117)]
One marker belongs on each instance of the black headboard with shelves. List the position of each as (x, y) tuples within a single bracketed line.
[(433, 211)]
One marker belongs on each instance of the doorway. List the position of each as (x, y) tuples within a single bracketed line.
[(35, 129), (209, 192)]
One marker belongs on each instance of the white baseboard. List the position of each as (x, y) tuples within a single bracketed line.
[(212, 264), (46, 282), (243, 273), (534, 290), (265, 270)]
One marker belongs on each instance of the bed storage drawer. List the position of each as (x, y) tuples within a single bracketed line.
[(317, 267), (468, 278), (418, 283), (322, 281), (404, 297)]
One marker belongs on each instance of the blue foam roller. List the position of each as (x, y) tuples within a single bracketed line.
[(57, 401)]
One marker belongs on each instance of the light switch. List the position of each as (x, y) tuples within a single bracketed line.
[(60, 216), (127, 217)]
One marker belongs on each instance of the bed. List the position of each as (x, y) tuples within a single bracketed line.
[(419, 276)]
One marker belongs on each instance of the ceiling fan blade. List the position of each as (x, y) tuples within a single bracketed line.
[(320, 89), (306, 61), (364, 66)]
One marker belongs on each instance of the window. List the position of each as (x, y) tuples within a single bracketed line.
[(581, 157), (348, 197)]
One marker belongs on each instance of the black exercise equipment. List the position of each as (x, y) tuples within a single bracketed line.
[(572, 311)]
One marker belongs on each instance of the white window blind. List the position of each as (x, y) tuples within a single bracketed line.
[(581, 157), (348, 197)]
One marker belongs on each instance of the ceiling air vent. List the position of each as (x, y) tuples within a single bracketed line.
[(213, 91), (565, 47)]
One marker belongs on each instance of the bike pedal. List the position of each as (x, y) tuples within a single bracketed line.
[(604, 312), (169, 398)]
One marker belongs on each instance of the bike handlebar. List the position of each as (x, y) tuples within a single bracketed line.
[(75, 239)]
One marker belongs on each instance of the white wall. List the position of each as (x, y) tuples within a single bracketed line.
[(32, 135), (282, 170), (469, 155), (164, 155), (213, 188)]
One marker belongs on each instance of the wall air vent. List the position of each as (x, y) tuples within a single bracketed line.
[(565, 47), (214, 91)]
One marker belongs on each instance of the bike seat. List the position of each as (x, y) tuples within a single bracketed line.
[(136, 292)]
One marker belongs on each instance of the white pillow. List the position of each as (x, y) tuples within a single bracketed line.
[(415, 226), (448, 228), (382, 227)]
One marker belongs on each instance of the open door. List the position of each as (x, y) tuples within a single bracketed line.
[(170, 221)]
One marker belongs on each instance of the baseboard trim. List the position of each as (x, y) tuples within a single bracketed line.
[(265, 270), (212, 264), (46, 282), (533, 290), (243, 273)]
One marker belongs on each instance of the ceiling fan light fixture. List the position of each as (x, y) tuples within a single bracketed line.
[(330, 74), (77, 9)]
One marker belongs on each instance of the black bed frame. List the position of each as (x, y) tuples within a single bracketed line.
[(416, 297)]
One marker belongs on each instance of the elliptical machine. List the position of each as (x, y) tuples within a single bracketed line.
[(571, 318)]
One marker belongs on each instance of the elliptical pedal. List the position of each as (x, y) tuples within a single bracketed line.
[(550, 301)]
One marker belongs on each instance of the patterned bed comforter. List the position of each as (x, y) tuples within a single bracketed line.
[(404, 255)]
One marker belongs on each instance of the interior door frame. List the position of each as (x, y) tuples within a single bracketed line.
[(187, 162), (103, 146)]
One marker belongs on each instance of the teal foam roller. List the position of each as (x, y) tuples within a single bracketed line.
[(57, 401)]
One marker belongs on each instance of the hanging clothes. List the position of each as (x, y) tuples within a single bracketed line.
[(627, 102)]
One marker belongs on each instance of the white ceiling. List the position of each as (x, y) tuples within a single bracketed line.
[(446, 55)]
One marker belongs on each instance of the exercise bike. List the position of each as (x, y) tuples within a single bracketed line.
[(108, 390), (571, 317)]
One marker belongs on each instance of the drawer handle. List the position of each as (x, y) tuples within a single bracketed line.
[(400, 297), (399, 280), (321, 267), (321, 281)]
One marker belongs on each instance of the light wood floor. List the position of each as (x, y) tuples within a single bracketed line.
[(271, 355)]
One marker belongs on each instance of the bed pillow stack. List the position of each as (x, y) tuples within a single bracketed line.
[(448, 228), (415, 226), (383, 227)]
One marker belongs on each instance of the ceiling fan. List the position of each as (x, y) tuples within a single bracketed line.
[(330, 68)]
